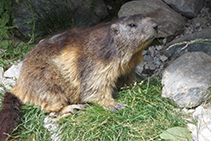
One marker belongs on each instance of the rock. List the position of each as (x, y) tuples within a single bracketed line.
[(168, 20), (148, 58), (139, 69), (202, 131), (159, 47), (82, 13), (188, 8), (196, 43), (157, 62), (11, 75), (163, 58), (187, 80), (14, 71)]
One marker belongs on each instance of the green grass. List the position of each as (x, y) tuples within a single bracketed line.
[(146, 116), (10, 52)]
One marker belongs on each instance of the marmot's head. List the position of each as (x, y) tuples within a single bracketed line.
[(133, 33)]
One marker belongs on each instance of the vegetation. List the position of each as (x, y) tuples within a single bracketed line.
[(145, 118), (5, 21), (11, 52)]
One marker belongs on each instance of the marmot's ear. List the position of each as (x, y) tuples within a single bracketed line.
[(115, 28)]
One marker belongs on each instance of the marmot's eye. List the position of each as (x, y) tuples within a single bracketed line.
[(132, 25)]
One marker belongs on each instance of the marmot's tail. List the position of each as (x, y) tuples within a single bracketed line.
[(9, 115)]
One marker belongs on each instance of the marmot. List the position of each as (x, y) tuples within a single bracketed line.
[(76, 66)]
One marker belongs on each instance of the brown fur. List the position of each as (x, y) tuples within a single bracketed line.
[(9, 115), (84, 65)]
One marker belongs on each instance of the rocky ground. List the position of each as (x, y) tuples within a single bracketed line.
[(155, 59)]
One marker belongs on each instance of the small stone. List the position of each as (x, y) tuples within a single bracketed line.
[(164, 41), (163, 58), (151, 50), (200, 29), (197, 24), (109, 7), (157, 62), (139, 68), (148, 58), (13, 71), (144, 52), (158, 47), (152, 67)]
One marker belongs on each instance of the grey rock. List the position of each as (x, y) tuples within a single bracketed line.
[(14, 71), (144, 52), (139, 69), (169, 21), (164, 41), (188, 8), (175, 48), (157, 62), (163, 58), (201, 131), (148, 58), (152, 67), (152, 51), (187, 80), (11, 75), (159, 47)]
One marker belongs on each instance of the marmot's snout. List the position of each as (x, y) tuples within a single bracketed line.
[(153, 23), (152, 27)]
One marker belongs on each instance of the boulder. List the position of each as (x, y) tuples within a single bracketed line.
[(169, 21), (188, 8), (198, 41), (188, 79)]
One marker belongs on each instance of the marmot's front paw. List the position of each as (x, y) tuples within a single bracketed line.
[(117, 106)]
